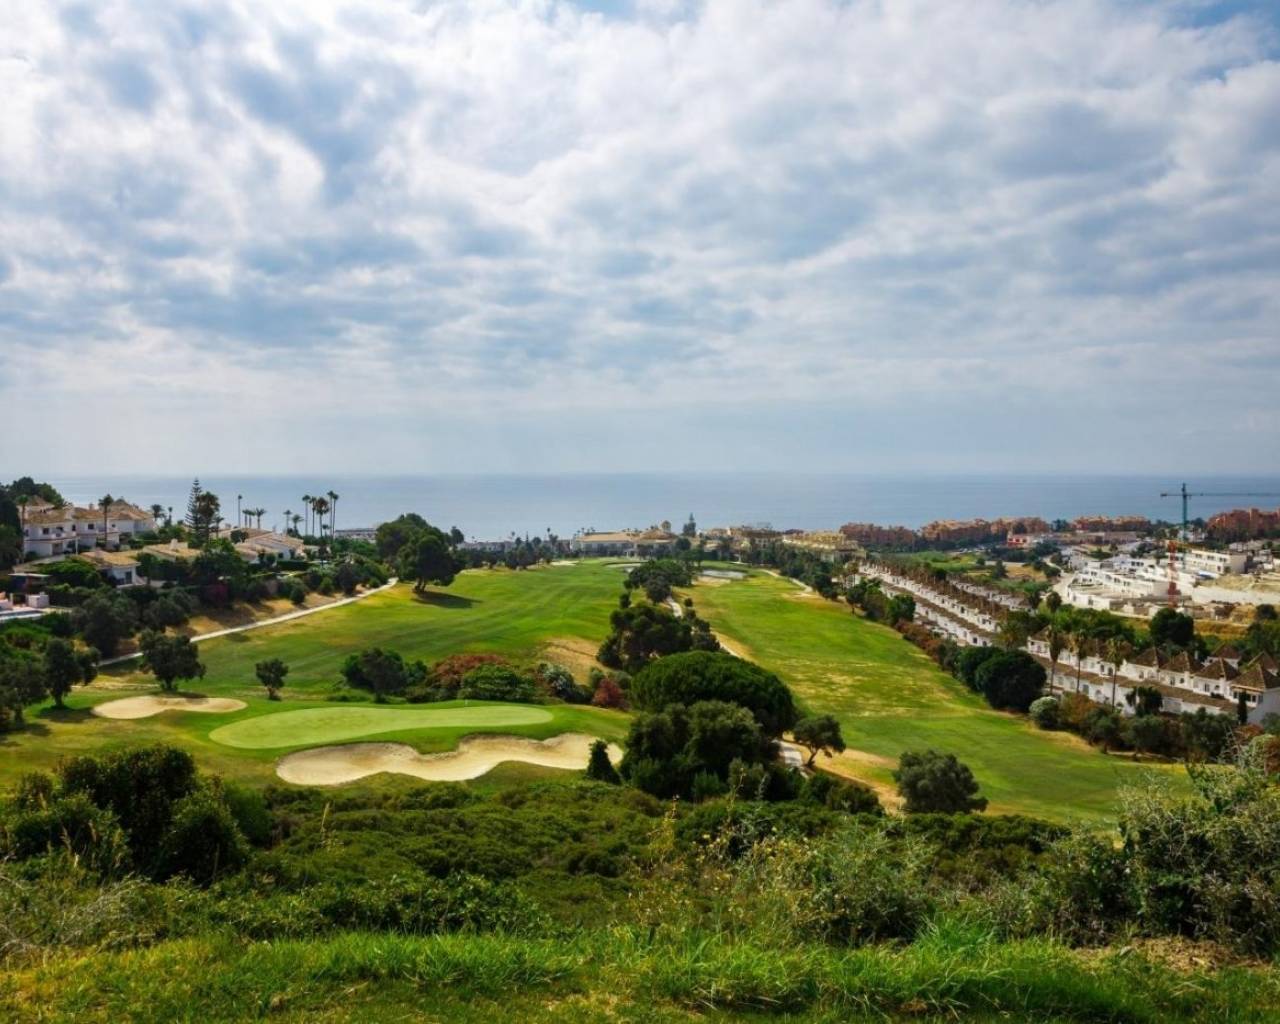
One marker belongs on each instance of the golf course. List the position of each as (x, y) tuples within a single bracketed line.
[(887, 696)]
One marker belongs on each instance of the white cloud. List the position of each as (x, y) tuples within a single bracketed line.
[(688, 220)]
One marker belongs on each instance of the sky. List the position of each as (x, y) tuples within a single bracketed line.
[(912, 236)]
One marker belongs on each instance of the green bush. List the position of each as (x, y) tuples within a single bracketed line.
[(497, 682), (1044, 712), (202, 842)]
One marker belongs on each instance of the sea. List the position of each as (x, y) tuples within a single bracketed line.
[(492, 507)]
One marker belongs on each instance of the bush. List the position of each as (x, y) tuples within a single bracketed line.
[(841, 795), (599, 767), (934, 782), (1010, 680), (497, 682), (202, 842), (558, 682), (970, 660), (383, 673), (608, 694), (446, 675), (1045, 712), (714, 676), (72, 825)]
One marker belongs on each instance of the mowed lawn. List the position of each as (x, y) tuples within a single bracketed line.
[(559, 613), (889, 697)]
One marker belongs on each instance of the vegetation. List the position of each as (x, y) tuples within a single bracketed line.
[(934, 783), (643, 631), (715, 676)]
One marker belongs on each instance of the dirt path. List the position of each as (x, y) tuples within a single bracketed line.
[(288, 617)]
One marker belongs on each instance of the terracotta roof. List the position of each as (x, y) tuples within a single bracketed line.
[(1218, 669), (108, 559), (1229, 652), (1150, 658), (1266, 661), (47, 516), (1182, 662), (1256, 678)]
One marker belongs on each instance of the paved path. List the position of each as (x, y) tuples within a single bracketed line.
[(804, 587), (287, 617)]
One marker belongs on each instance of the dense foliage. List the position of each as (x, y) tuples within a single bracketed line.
[(715, 676)]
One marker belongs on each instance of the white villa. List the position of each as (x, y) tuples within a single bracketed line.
[(49, 531), (1183, 683)]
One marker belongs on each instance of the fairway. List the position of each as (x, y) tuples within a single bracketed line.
[(560, 613), (337, 724), (889, 697)]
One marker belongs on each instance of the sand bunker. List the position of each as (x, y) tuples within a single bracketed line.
[(331, 766), (145, 707)]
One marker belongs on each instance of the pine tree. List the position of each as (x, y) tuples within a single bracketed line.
[(193, 507), (600, 768)]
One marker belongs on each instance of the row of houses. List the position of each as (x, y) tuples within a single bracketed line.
[(51, 530), (1220, 685), (124, 567)]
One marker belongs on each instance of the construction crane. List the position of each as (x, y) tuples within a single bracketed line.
[(1184, 494)]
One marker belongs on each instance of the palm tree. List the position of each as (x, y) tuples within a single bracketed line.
[(306, 501), (239, 514), (321, 506), (156, 511), (333, 514), (105, 503), (169, 517), (258, 513), (1057, 641), (296, 520), (288, 514), (1115, 657), (1079, 647)]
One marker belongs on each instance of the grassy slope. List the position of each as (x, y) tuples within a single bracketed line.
[(619, 975), (889, 698), (558, 612)]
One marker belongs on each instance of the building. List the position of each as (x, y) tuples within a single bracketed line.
[(48, 531), (254, 543), (619, 542), (833, 545)]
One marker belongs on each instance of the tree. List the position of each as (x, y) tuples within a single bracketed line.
[(1058, 640), (169, 658), (1010, 679), (819, 734), (497, 682), (931, 782), (644, 631), (384, 673), (202, 513), (970, 660), (21, 683), (714, 676), (63, 668), (104, 620), (1171, 630), (271, 674), (1146, 733), (391, 537), (1053, 601), (105, 503), (427, 559), (599, 767), (1115, 658)]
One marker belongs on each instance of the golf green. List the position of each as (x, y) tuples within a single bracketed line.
[(335, 725)]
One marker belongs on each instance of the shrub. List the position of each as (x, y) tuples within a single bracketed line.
[(202, 842), (970, 660), (608, 694), (1045, 712), (599, 767), (714, 676), (447, 673), (934, 782), (497, 682), (558, 682), (383, 673), (72, 825), (841, 795)]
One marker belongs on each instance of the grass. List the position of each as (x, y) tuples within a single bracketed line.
[(617, 974), (312, 726), (559, 613), (889, 697)]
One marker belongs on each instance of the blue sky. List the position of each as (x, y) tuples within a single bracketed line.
[(864, 235)]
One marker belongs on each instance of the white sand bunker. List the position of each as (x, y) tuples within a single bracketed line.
[(331, 766), (145, 707)]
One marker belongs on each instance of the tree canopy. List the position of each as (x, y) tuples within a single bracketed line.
[(715, 676), (930, 782)]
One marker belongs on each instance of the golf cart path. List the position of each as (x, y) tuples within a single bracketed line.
[(287, 617), (805, 589)]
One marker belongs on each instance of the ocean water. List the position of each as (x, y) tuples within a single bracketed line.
[(491, 507)]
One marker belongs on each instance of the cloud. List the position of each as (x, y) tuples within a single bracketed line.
[(794, 234)]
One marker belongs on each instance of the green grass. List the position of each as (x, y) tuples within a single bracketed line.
[(559, 613), (312, 726), (616, 974), (889, 697)]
